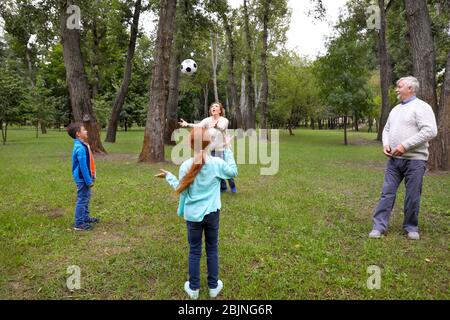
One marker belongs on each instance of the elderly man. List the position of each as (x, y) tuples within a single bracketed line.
[(410, 125)]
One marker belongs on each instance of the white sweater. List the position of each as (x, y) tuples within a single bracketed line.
[(412, 124), (217, 132)]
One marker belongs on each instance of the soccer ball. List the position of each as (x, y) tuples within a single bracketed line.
[(188, 66)]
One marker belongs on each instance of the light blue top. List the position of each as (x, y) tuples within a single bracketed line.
[(203, 195)]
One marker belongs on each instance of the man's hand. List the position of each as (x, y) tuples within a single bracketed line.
[(387, 151), (399, 150), (183, 123), (162, 174)]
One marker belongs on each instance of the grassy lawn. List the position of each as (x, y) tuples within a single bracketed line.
[(301, 234)]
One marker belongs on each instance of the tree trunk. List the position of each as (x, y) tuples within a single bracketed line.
[(345, 129), (153, 146), (243, 101), (422, 49), (77, 81), (4, 131), (30, 65), (424, 67), (172, 100), (264, 98), (440, 146), (214, 64), (121, 95), (384, 70), (248, 71), (43, 127), (312, 123), (205, 100), (235, 108)]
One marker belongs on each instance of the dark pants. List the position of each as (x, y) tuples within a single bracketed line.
[(82, 204), (209, 225), (223, 184), (396, 170)]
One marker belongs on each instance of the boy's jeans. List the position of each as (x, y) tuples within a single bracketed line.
[(223, 184), (210, 225), (82, 204), (397, 170)]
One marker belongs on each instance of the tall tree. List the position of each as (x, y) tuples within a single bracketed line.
[(385, 73), (77, 79), (422, 49), (424, 68), (214, 62), (264, 77), (441, 149), (153, 146), (121, 95), (250, 121), (172, 100), (223, 10)]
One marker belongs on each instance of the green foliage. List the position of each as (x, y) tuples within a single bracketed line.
[(343, 73), (12, 92), (294, 93)]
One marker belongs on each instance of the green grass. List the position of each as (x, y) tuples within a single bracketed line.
[(301, 234)]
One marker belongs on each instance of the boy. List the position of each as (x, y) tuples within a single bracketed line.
[(83, 172)]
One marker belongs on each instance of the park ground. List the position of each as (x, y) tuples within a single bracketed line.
[(300, 234)]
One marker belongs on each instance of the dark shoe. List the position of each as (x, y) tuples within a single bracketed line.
[(83, 227), (92, 220), (233, 189)]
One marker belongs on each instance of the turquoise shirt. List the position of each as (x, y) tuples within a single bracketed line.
[(203, 195)]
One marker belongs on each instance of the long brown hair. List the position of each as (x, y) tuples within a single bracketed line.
[(199, 139)]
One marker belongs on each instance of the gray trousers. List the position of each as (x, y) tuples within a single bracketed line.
[(396, 170)]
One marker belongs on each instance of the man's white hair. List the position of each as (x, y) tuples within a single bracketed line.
[(411, 82)]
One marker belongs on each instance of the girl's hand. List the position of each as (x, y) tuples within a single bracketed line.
[(162, 174)]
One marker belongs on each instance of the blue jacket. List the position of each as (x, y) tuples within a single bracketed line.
[(203, 195), (81, 170)]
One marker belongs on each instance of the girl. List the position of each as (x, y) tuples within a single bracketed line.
[(199, 189)]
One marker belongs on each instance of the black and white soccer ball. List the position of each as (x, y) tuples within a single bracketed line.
[(188, 66)]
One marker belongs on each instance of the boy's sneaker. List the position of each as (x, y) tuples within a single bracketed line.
[(193, 294), (214, 292), (233, 189), (413, 235), (83, 227), (92, 220), (375, 234)]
